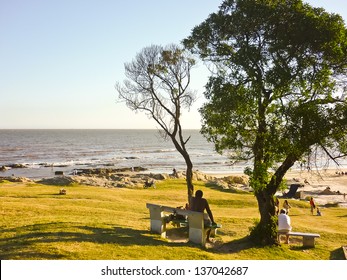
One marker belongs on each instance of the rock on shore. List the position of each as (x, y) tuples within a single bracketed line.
[(16, 179)]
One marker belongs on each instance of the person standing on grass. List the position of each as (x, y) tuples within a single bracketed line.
[(174, 173), (200, 204), (286, 206), (312, 205), (284, 224)]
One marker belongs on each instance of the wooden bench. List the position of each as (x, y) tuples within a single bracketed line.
[(194, 221), (308, 239)]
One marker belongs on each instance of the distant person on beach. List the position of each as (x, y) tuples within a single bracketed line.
[(174, 173), (200, 204), (286, 206), (284, 224), (312, 205)]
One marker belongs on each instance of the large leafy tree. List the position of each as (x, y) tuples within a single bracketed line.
[(157, 83), (275, 92)]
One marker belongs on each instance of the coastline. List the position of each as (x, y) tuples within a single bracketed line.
[(327, 187)]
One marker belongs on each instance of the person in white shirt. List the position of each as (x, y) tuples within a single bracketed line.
[(284, 225)]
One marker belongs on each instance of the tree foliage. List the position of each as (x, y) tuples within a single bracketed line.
[(157, 83), (276, 90)]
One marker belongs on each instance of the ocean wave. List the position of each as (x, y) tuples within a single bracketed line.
[(155, 151)]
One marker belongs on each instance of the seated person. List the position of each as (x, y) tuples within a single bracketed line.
[(284, 224), (319, 213), (174, 173), (200, 204)]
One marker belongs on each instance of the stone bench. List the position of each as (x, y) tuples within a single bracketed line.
[(194, 220), (308, 239)]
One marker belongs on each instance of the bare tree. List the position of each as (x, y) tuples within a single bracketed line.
[(158, 84)]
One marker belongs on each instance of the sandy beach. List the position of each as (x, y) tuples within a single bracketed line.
[(326, 187)]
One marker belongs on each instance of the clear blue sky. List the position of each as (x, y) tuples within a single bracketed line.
[(60, 59)]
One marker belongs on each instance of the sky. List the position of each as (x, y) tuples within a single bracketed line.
[(60, 59)]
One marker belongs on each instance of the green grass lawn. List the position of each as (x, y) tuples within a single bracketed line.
[(96, 223)]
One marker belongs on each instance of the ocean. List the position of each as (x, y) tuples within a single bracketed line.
[(45, 151)]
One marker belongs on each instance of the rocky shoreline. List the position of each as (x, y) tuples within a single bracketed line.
[(331, 190), (135, 177)]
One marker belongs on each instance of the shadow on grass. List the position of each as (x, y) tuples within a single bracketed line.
[(296, 245), (338, 254), (233, 247), (32, 242)]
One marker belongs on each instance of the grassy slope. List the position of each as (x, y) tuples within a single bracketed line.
[(98, 223)]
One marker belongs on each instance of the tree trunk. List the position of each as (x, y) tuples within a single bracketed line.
[(189, 177), (265, 232), (180, 147)]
